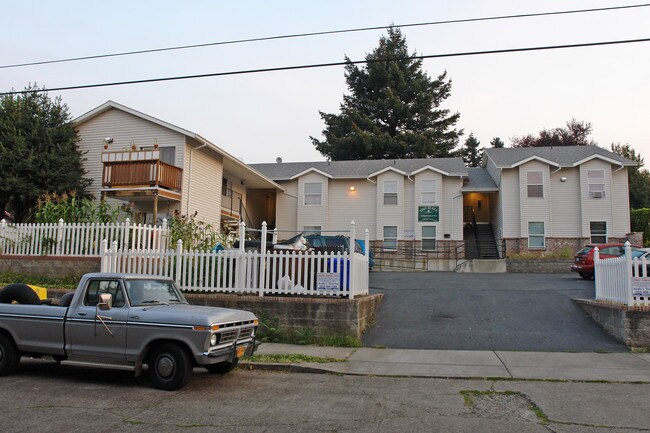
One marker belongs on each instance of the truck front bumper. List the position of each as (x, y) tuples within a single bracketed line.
[(229, 353)]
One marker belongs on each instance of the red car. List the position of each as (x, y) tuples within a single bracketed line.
[(583, 262)]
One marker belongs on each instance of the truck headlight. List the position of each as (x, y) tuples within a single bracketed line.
[(213, 339)]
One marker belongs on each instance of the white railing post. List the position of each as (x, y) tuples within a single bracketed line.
[(162, 245), (59, 237), (275, 236), (242, 236), (240, 267), (350, 260), (628, 273), (125, 233), (597, 280), (114, 258), (262, 267), (179, 259), (103, 261), (3, 235)]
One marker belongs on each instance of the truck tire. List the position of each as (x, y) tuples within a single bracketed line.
[(222, 367), (9, 355), (21, 293), (170, 366)]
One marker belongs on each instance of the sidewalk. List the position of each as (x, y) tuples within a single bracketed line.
[(613, 367)]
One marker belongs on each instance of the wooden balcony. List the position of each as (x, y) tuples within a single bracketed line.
[(138, 177)]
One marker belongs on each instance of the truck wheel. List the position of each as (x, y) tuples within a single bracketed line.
[(585, 275), (221, 367), (9, 356), (170, 367), (21, 293)]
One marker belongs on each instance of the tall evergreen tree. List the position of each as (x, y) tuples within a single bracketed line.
[(471, 152), (392, 109), (497, 143), (38, 151), (638, 178)]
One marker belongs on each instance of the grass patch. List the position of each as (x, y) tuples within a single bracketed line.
[(294, 358), (48, 282), (640, 349)]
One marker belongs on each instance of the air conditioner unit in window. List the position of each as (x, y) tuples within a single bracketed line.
[(597, 194)]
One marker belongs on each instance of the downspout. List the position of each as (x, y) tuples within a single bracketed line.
[(189, 178)]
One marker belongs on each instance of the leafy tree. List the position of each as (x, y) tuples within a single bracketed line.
[(497, 143), (471, 152), (638, 178), (38, 151), (575, 134), (392, 109)]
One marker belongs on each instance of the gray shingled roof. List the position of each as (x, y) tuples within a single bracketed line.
[(479, 180), (360, 169), (563, 156)]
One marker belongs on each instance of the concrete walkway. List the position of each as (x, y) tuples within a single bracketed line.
[(613, 367)]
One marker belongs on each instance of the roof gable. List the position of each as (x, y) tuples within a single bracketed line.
[(558, 156)]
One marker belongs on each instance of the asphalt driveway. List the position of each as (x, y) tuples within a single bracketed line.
[(468, 311)]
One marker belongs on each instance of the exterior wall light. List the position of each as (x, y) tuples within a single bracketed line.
[(563, 179), (352, 188)]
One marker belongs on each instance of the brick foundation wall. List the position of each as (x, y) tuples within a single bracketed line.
[(47, 266), (630, 325), (558, 245), (538, 266)]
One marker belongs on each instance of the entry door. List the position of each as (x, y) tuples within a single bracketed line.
[(89, 336)]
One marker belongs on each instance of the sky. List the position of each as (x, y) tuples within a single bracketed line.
[(259, 117)]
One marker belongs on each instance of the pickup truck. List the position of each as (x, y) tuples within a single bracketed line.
[(128, 320)]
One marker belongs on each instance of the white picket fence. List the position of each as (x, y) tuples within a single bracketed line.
[(274, 272), (78, 239), (623, 280)]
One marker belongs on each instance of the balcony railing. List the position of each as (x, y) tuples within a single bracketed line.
[(138, 174)]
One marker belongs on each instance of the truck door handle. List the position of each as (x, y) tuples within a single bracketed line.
[(81, 314)]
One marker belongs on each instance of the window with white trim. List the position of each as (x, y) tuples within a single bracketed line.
[(535, 183), (596, 183), (598, 232), (311, 230), (390, 237), (313, 193), (390, 192), (429, 238), (428, 192), (536, 237)]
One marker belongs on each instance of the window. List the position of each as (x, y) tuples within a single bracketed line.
[(428, 192), (596, 183), (390, 192), (168, 155), (98, 287), (313, 193), (311, 230), (598, 232), (429, 237), (536, 235), (390, 237), (535, 184)]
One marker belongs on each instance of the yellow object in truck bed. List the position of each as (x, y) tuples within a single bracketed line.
[(40, 291)]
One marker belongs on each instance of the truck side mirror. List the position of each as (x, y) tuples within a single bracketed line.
[(105, 301)]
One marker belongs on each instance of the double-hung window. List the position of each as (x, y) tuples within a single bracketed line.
[(390, 237), (429, 238), (536, 235), (596, 183), (535, 183), (598, 232), (313, 193), (428, 192), (390, 192)]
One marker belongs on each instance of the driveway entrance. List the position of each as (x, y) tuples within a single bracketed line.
[(465, 311)]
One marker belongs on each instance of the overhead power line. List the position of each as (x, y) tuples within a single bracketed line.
[(327, 32), (324, 65)]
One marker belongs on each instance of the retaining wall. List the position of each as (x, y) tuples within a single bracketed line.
[(630, 325), (47, 266)]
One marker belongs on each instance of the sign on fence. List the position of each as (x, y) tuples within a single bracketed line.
[(640, 286), (328, 281)]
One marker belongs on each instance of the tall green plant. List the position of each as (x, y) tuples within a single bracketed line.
[(72, 208), (640, 222), (195, 234)]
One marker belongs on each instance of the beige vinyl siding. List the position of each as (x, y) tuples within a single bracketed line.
[(390, 215), (566, 213), (286, 210), (509, 198), (620, 203), (596, 209), (345, 206), (410, 206), (312, 215), (451, 209), (534, 209), (202, 185), (416, 202), (124, 128)]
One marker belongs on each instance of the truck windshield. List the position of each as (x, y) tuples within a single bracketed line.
[(147, 292)]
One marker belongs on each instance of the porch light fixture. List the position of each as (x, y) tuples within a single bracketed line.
[(563, 179), (352, 188)]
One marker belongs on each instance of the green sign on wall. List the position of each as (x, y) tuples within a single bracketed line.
[(428, 214)]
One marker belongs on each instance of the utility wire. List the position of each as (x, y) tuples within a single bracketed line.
[(327, 32), (324, 65)]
